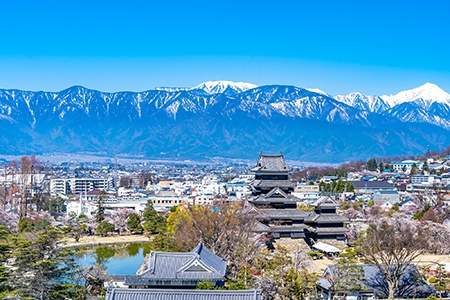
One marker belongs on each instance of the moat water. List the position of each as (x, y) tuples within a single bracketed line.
[(116, 259)]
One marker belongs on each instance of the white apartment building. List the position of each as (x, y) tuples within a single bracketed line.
[(89, 208), (239, 187), (211, 185), (406, 165), (425, 179), (59, 186), (64, 186), (21, 179), (307, 192)]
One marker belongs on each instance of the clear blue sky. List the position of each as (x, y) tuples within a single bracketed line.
[(339, 46)]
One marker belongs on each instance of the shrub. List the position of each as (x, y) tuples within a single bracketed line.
[(314, 254), (103, 228)]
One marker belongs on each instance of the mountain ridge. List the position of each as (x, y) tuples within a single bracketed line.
[(238, 120)]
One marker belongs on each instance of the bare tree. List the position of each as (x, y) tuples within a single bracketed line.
[(440, 241), (227, 230), (3, 196), (26, 175), (392, 245)]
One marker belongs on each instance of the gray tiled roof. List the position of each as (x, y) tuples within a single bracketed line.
[(289, 213), (155, 294), (200, 264), (271, 163), (273, 183), (263, 199), (211, 259), (325, 202), (332, 230), (372, 185), (276, 195), (326, 218), (260, 227), (289, 228), (277, 192)]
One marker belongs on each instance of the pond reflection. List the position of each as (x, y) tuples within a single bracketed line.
[(116, 259)]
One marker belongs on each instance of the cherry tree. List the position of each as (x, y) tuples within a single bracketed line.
[(119, 219)]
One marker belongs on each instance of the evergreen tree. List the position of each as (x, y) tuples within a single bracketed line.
[(100, 213), (350, 187), (38, 255), (300, 283), (413, 169), (153, 222), (76, 226), (134, 223), (372, 164), (425, 167), (103, 228), (348, 275), (4, 255), (205, 285), (242, 280)]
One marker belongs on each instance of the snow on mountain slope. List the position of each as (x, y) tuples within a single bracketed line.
[(171, 89), (416, 111), (220, 86), (363, 102), (318, 91), (428, 92), (202, 121)]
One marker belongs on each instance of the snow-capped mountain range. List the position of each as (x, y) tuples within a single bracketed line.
[(429, 92), (427, 103), (220, 86), (225, 118)]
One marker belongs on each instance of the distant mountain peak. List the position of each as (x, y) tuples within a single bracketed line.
[(219, 86), (237, 120), (318, 91), (75, 88), (428, 92), (363, 102)]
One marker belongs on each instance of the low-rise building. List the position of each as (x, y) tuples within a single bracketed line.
[(425, 179), (164, 200), (307, 192), (371, 187), (406, 166)]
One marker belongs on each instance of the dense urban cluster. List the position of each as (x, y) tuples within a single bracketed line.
[(228, 229)]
